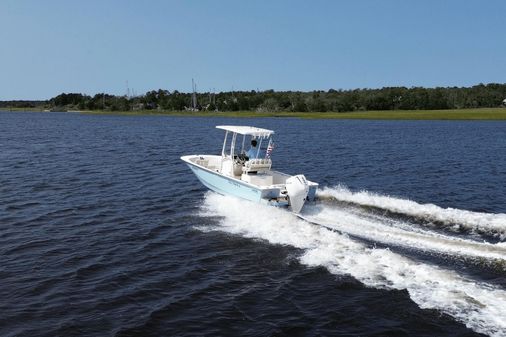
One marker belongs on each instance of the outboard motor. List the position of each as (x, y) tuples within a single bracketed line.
[(297, 188)]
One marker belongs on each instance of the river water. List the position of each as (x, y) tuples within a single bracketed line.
[(104, 231)]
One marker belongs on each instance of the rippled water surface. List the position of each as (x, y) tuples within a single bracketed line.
[(104, 231)]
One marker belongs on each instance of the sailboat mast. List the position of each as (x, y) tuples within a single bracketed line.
[(194, 95)]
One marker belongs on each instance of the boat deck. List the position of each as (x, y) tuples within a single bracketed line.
[(264, 177)]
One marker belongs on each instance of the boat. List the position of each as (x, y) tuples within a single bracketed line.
[(249, 174)]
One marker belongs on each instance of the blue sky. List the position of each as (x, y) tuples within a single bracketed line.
[(50, 47)]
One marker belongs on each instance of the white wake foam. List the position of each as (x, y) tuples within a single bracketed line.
[(388, 231), (480, 306), (489, 223)]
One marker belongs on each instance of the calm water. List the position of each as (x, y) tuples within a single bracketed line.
[(103, 230)]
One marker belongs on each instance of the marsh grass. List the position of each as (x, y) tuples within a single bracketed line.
[(455, 114)]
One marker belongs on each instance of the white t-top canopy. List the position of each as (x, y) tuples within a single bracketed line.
[(246, 130)]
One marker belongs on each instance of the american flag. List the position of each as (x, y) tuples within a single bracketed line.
[(269, 150)]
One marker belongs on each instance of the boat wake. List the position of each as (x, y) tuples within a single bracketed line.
[(392, 232), (476, 303), (450, 219)]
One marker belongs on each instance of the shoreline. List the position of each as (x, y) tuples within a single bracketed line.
[(451, 114)]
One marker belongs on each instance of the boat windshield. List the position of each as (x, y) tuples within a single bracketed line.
[(252, 146)]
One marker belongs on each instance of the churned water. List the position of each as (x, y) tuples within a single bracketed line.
[(104, 231)]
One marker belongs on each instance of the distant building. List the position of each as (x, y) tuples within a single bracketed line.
[(504, 102), (138, 106)]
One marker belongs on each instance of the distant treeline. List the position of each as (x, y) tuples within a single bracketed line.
[(22, 104), (388, 98)]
